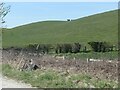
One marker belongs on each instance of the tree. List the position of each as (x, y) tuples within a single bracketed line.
[(4, 10)]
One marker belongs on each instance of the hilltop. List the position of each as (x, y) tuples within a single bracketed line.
[(98, 27)]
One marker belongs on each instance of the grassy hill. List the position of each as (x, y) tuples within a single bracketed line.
[(99, 27)]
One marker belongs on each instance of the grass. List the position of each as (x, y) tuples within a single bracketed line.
[(52, 79), (99, 27), (113, 55)]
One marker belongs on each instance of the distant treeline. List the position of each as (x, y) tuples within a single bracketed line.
[(69, 47)]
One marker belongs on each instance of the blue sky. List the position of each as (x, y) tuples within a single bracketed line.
[(28, 12)]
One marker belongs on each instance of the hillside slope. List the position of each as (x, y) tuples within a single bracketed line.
[(99, 27)]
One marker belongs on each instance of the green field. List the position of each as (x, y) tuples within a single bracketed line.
[(98, 27)]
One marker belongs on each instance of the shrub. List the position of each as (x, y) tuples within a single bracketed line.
[(68, 48), (101, 46), (76, 47)]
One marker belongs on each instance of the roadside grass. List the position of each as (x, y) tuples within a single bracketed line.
[(53, 79)]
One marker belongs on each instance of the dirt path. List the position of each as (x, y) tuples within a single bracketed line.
[(9, 83)]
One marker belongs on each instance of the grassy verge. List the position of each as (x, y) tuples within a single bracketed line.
[(53, 79)]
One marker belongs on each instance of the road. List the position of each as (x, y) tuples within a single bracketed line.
[(9, 83)]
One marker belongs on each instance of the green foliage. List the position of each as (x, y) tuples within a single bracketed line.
[(101, 46), (68, 48)]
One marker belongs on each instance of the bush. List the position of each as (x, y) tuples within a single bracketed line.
[(43, 48), (101, 46), (68, 48), (76, 47), (31, 47)]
